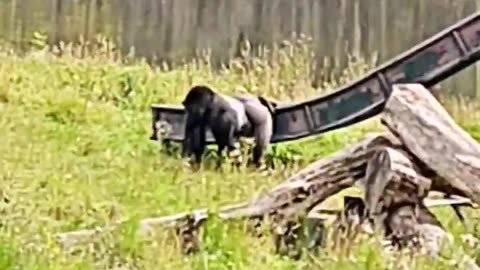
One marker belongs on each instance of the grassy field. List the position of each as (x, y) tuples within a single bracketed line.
[(75, 154)]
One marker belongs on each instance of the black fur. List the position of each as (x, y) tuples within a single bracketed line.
[(204, 109)]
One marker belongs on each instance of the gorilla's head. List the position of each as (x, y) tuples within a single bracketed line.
[(198, 100)]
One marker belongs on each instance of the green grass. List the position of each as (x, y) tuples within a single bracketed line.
[(75, 154)]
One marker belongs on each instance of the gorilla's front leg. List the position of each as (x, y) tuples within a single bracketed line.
[(228, 140), (221, 133), (198, 142), (187, 146), (194, 138)]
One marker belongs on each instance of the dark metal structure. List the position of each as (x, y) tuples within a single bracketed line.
[(428, 63)]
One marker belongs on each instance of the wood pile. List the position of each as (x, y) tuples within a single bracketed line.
[(424, 152)]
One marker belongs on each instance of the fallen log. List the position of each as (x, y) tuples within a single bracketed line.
[(186, 225), (391, 177), (426, 129), (394, 201), (453, 200), (320, 180)]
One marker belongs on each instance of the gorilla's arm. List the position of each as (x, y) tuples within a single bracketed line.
[(199, 141), (194, 137), (187, 137)]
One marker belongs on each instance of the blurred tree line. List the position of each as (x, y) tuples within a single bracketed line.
[(169, 30)]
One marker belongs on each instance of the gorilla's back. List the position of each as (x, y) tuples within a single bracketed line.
[(239, 109)]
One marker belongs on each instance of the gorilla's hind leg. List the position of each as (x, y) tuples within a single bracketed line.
[(262, 139)]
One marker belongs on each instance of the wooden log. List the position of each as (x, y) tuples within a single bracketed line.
[(425, 128), (289, 202), (69, 240), (453, 200), (186, 225), (413, 226), (394, 180), (391, 177), (348, 225), (320, 180), (395, 197)]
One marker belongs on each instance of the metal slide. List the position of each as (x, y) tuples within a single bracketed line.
[(428, 63)]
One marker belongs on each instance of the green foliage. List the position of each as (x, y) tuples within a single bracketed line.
[(75, 154), (38, 41), (7, 254)]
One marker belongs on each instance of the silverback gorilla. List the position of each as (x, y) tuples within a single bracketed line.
[(229, 118)]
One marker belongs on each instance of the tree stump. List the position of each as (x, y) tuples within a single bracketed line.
[(410, 225), (395, 190), (392, 177), (426, 129)]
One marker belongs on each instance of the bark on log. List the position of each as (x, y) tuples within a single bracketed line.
[(392, 177), (320, 180), (425, 128), (179, 221), (414, 226), (454, 200)]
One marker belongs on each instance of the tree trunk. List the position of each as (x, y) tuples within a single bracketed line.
[(426, 129)]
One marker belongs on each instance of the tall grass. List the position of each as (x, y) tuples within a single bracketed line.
[(75, 154)]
